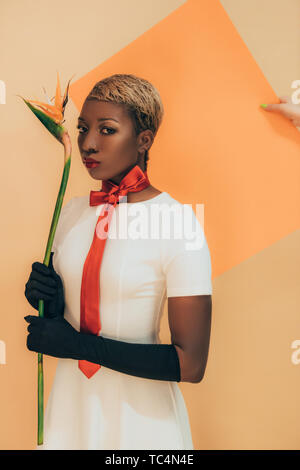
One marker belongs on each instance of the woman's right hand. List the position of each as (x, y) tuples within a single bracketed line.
[(45, 284)]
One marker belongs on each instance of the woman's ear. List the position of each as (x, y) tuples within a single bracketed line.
[(146, 139)]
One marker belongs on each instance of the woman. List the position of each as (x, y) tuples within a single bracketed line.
[(115, 384)]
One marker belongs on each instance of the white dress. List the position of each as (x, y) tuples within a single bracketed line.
[(114, 410)]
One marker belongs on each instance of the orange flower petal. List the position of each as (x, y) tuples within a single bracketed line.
[(58, 103), (45, 105), (56, 111), (55, 114)]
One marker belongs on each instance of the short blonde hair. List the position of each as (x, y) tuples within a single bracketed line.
[(140, 98)]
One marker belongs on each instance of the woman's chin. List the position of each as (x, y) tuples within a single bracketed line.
[(95, 171)]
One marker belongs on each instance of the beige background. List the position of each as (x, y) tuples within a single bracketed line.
[(249, 398)]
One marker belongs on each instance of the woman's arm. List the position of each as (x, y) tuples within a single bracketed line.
[(189, 319), (56, 337), (190, 326)]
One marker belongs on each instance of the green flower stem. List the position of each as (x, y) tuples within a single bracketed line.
[(54, 222)]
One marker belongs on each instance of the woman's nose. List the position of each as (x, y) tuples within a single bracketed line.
[(89, 143)]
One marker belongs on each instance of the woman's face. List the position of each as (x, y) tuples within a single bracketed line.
[(106, 134)]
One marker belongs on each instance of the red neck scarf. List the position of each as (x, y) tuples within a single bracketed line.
[(136, 180)]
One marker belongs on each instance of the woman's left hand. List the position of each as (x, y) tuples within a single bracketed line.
[(287, 109), (52, 336)]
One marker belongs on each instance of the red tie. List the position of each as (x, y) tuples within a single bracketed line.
[(134, 181)]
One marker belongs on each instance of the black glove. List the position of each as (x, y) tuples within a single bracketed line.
[(56, 337), (52, 336), (44, 283)]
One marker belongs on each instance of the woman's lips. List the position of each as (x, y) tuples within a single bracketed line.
[(91, 163)]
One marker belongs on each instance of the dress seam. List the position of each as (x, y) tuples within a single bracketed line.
[(120, 289), (176, 412), (169, 383), (159, 315)]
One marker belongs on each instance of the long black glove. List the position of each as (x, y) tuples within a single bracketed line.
[(45, 284), (56, 337)]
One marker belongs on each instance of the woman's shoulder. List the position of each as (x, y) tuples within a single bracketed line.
[(71, 210), (175, 206), (74, 208), (166, 198), (182, 224), (76, 202), (70, 213)]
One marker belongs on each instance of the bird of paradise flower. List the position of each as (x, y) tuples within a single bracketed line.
[(51, 116)]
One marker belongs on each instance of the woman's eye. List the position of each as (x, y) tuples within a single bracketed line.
[(112, 131), (80, 127)]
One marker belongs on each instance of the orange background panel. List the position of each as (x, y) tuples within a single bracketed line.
[(216, 145)]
